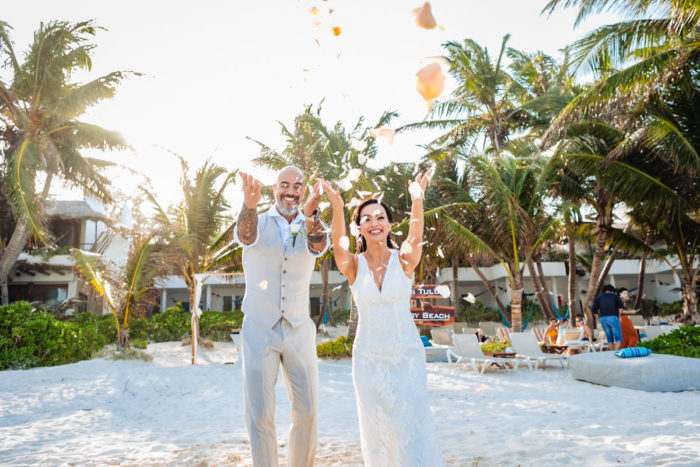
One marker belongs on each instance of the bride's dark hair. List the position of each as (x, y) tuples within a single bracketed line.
[(360, 244)]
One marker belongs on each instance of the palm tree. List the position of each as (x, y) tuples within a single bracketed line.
[(135, 288), (636, 58), (40, 135), (484, 108), (195, 229)]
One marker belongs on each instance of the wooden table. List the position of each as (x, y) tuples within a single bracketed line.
[(555, 348), (501, 354)]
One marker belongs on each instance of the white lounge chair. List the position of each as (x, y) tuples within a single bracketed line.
[(573, 339), (653, 332), (467, 349), (488, 328), (527, 347), (441, 336)]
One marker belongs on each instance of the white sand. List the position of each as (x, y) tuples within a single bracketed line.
[(102, 412)]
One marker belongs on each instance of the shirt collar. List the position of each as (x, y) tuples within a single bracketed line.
[(273, 212)]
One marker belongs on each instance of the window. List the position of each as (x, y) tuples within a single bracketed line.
[(228, 303)]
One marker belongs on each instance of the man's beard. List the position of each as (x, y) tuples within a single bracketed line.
[(287, 211)]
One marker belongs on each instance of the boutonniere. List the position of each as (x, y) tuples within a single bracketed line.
[(295, 229)]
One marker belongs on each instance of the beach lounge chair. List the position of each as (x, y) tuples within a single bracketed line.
[(503, 334), (461, 327), (441, 336), (488, 328), (653, 332), (573, 339), (467, 349), (539, 334), (526, 346)]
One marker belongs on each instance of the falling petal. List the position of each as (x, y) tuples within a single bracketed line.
[(415, 190), (317, 42), (344, 184), (314, 10), (353, 202), (344, 242), (443, 290), (424, 17), (384, 132), (262, 285), (354, 230), (439, 253), (396, 170), (431, 82), (362, 159), (354, 175), (323, 205), (470, 298), (339, 286), (358, 145), (337, 30), (406, 248), (398, 232), (364, 194)]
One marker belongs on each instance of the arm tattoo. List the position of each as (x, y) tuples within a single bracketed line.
[(247, 225), (315, 237)]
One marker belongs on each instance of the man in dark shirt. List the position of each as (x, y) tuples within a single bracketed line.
[(608, 306)]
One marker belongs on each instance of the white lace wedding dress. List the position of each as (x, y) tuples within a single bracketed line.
[(388, 370)]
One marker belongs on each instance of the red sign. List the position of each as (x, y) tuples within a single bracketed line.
[(428, 314)]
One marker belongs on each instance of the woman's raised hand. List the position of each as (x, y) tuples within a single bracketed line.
[(417, 187), (333, 194)]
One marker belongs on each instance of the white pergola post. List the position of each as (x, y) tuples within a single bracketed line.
[(164, 301), (207, 298)]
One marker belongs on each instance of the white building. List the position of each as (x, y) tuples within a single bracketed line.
[(47, 277)]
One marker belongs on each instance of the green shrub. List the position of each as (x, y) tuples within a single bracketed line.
[(684, 342), (138, 343), (495, 347), (337, 349), (30, 338), (217, 325), (173, 325)]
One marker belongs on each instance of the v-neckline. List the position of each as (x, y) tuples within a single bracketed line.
[(386, 272)]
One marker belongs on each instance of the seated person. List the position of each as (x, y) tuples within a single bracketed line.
[(552, 332), (587, 332)]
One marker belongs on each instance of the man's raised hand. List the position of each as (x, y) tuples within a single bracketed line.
[(252, 190)]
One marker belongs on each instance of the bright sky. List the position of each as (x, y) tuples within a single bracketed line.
[(215, 72)]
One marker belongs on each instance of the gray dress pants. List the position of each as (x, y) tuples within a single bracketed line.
[(263, 350)]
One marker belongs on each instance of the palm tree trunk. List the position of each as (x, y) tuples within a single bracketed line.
[(17, 242), (548, 296), (690, 299), (595, 270), (324, 266), (606, 270), (352, 320), (640, 281), (491, 290), (455, 284), (516, 303), (538, 290), (571, 300)]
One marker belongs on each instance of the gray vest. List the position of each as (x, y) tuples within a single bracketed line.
[(277, 282)]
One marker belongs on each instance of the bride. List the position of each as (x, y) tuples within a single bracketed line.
[(388, 362)]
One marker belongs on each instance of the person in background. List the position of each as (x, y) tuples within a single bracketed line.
[(552, 332), (630, 336), (608, 306), (587, 332)]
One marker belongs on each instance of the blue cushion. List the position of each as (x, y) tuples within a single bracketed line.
[(631, 352)]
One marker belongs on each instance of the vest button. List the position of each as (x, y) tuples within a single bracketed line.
[(282, 298), (285, 258), (281, 311), (284, 271)]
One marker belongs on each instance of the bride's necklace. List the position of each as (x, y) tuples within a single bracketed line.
[(378, 269)]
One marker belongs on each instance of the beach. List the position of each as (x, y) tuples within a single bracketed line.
[(169, 412)]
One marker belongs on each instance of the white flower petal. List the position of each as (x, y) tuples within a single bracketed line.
[(415, 190), (443, 290), (406, 248), (344, 242), (262, 285)]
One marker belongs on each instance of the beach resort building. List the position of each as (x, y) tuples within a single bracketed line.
[(47, 276)]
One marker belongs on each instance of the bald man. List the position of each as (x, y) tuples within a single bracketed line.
[(280, 248)]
